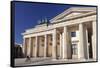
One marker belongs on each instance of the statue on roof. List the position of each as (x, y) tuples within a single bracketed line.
[(39, 21), (43, 21)]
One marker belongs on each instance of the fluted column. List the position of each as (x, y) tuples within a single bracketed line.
[(60, 45), (29, 47), (26, 46), (83, 49), (69, 45), (54, 45), (87, 46), (65, 43), (23, 47), (36, 46), (94, 41), (45, 46)]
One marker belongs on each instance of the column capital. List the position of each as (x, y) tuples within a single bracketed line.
[(65, 27), (80, 23)]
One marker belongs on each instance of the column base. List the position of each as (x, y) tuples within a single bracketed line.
[(35, 57), (44, 57), (82, 59), (54, 59), (64, 59), (95, 59)]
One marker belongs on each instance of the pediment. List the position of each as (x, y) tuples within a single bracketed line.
[(72, 14), (73, 11)]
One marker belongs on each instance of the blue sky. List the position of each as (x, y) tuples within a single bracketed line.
[(28, 14)]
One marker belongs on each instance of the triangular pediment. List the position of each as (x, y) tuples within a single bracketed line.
[(73, 11)]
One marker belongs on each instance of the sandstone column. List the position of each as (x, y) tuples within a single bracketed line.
[(23, 47), (45, 46), (29, 47), (67, 44), (87, 46), (60, 45), (94, 44), (83, 50), (36, 46), (26, 46), (54, 45)]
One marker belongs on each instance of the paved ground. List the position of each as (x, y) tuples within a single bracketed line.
[(41, 61)]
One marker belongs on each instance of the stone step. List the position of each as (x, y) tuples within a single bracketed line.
[(32, 60)]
